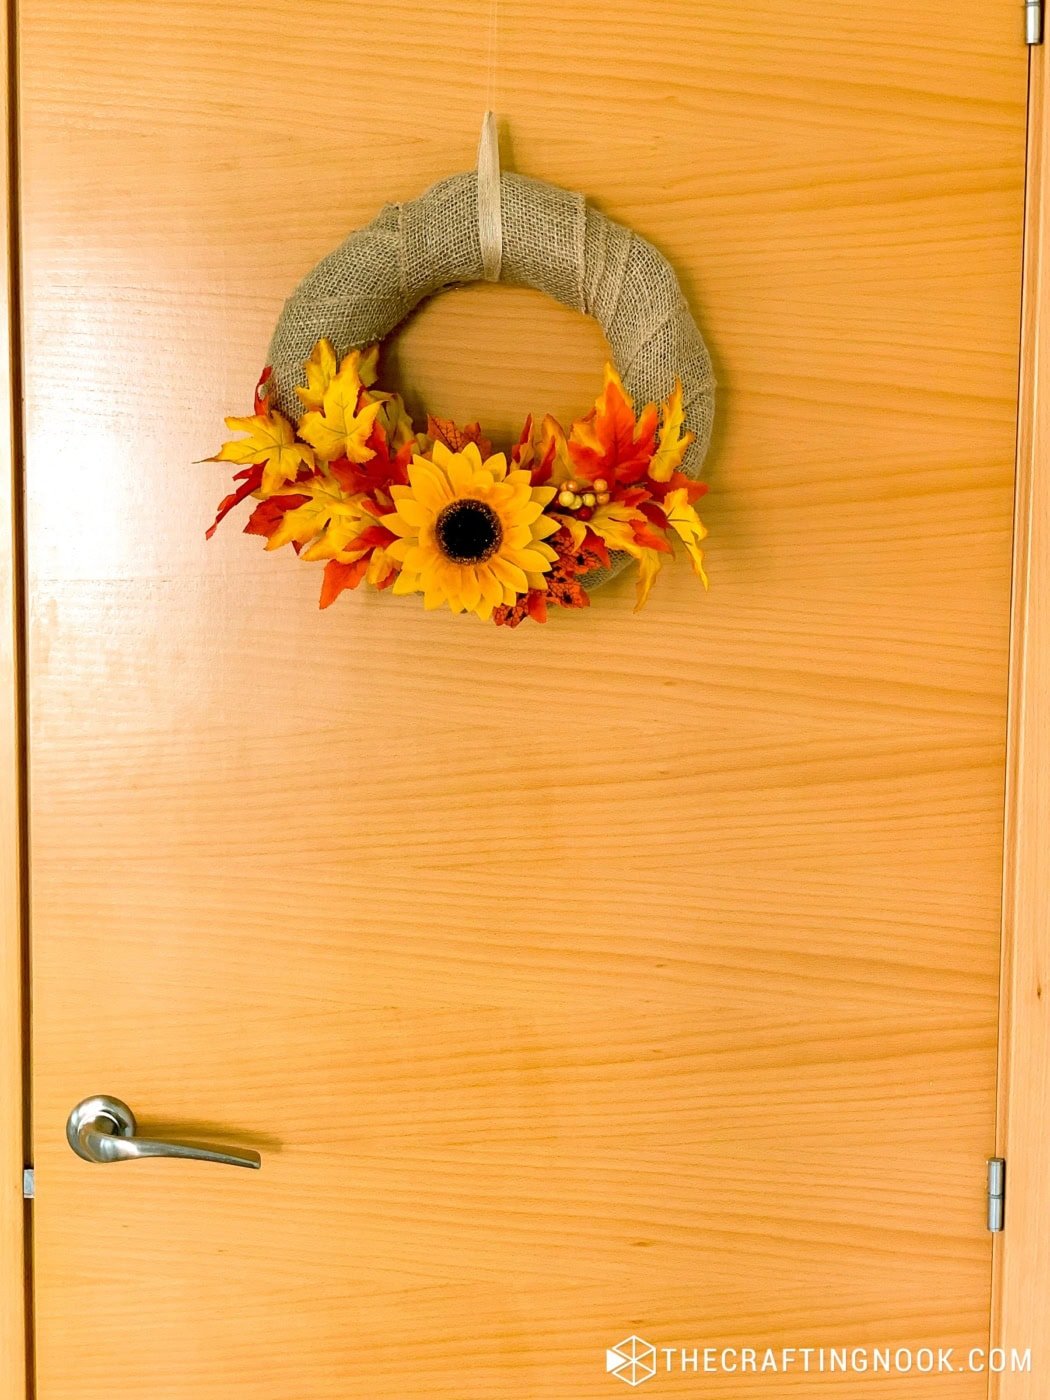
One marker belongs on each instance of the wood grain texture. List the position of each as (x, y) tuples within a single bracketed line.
[(12, 1137), (1022, 1256), (594, 978)]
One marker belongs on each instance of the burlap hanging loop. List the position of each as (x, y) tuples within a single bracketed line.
[(550, 240), (490, 212)]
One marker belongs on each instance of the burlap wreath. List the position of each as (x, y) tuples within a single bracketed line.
[(553, 241)]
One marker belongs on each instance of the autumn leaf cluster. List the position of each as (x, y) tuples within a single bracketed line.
[(353, 485)]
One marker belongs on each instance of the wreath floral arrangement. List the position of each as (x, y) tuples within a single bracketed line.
[(440, 513)]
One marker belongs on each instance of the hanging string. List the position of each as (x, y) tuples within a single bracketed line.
[(490, 215), (492, 57)]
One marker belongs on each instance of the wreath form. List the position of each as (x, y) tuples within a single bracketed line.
[(547, 238)]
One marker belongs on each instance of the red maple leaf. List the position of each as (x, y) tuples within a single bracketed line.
[(267, 515), (251, 480), (380, 472), (262, 390)]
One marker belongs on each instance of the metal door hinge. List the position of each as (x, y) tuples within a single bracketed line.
[(996, 1193), (28, 1183), (1033, 21)]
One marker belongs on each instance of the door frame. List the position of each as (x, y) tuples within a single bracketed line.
[(1021, 1254), (14, 1276)]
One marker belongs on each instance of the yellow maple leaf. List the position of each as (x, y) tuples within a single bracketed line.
[(337, 429), (613, 524), (380, 567), (551, 432), (326, 523), (650, 562), (323, 366), (392, 418), (673, 443), (320, 370), (368, 364), (688, 526), (271, 444)]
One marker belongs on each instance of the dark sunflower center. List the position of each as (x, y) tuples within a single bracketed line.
[(468, 532)]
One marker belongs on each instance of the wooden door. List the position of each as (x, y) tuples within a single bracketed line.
[(635, 974)]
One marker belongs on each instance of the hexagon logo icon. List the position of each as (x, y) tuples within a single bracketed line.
[(632, 1361)]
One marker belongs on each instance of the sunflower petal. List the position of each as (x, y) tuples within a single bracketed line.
[(510, 575), (429, 486), (406, 582), (491, 588), (459, 472), (530, 560), (441, 454), (415, 513), (396, 525), (470, 591)]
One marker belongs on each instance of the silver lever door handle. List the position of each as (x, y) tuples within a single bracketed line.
[(102, 1129)]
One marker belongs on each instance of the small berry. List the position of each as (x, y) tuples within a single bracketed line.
[(585, 513), (589, 498), (566, 498), (601, 485)]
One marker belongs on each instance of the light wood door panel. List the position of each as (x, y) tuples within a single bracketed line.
[(631, 974)]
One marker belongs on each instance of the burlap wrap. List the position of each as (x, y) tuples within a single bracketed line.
[(551, 241)]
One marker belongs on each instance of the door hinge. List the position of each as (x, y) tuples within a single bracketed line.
[(1033, 21), (28, 1183), (996, 1193)]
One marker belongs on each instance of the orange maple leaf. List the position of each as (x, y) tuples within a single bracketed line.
[(339, 576), (610, 441)]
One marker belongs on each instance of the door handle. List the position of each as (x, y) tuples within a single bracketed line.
[(103, 1130)]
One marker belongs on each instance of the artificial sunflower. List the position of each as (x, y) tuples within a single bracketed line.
[(470, 534)]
